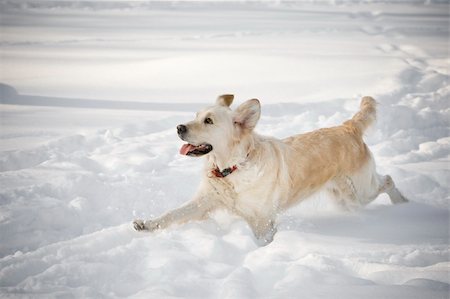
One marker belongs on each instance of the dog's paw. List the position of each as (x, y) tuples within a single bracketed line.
[(266, 238), (141, 225)]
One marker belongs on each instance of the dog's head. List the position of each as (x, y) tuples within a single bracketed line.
[(217, 128)]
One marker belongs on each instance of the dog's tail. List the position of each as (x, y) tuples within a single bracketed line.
[(365, 116)]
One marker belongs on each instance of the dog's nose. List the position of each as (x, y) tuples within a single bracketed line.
[(181, 129)]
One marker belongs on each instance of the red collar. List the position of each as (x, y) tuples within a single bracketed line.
[(221, 174)]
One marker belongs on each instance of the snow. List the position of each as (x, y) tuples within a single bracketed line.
[(91, 95)]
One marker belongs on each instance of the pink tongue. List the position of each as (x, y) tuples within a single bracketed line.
[(186, 148)]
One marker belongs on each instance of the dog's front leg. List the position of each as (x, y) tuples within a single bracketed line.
[(196, 209), (263, 228)]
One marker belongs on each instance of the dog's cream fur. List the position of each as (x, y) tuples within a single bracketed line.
[(273, 175)]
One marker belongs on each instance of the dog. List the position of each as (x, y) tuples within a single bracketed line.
[(257, 177)]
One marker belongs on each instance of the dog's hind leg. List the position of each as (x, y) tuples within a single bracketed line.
[(387, 185), (368, 185), (344, 192)]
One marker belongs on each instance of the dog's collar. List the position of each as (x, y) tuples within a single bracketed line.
[(221, 174)]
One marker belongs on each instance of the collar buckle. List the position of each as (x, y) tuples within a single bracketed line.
[(221, 174)]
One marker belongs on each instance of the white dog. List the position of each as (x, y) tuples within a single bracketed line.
[(257, 177)]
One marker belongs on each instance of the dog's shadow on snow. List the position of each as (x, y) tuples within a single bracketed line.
[(408, 223)]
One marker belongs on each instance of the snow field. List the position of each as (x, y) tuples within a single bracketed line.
[(72, 178), (58, 198), (164, 51)]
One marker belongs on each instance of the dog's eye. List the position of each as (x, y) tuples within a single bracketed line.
[(208, 121)]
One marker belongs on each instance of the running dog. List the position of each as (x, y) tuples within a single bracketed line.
[(257, 177)]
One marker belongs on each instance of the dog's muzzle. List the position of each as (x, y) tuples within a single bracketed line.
[(190, 149), (181, 130)]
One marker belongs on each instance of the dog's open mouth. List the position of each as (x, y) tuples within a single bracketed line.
[(195, 151)]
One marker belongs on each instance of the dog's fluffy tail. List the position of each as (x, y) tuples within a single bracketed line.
[(365, 116)]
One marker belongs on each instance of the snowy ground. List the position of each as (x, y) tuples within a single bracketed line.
[(89, 143)]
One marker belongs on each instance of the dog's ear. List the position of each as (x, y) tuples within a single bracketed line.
[(247, 114), (225, 100)]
